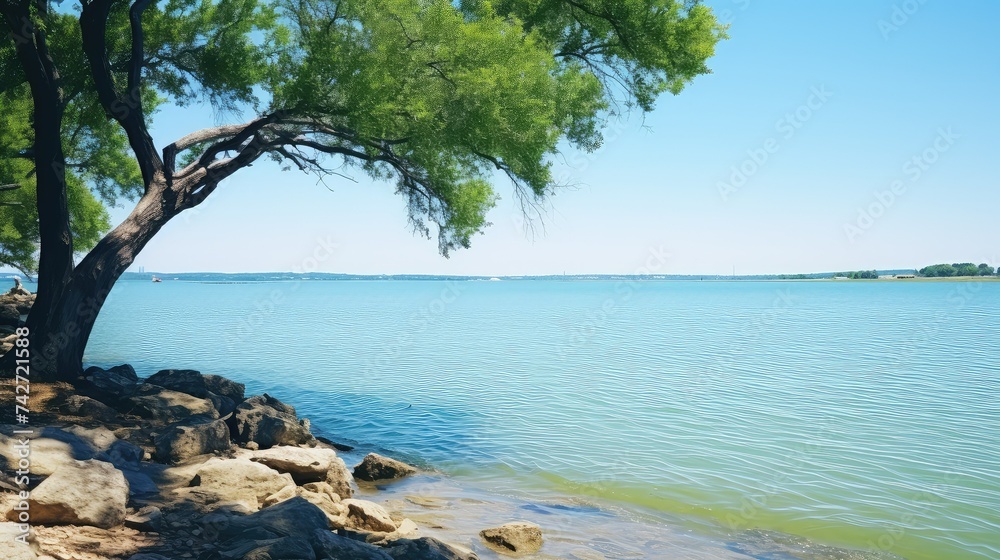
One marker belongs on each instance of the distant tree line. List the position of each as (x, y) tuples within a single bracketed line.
[(958, 269), (859, 275)]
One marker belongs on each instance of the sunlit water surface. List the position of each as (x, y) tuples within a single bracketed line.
[(853, 414)]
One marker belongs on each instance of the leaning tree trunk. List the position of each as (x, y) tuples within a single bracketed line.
[(59, 345)]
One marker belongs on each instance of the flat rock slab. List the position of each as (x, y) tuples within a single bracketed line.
[(304, 464), (519, 537), (88, 492), (53, 448), (363, 515), (240, 480), (307, 466), (163, 405)]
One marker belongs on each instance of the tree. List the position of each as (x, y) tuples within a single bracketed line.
[(438, 96), (18, 212), (965, 269), (985, 270), (938, 270)]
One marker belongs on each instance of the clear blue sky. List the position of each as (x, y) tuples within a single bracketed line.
[(891, 94)]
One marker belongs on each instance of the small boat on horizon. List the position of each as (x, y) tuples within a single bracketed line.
[(157, 279)]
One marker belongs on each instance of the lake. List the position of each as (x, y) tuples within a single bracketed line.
[(853, 414)]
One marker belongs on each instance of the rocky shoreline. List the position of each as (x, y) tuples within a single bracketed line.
[(185, 465)]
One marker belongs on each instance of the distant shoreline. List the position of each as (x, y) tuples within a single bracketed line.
[(261, 277)]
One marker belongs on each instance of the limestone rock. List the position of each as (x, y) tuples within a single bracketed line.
[(82, 493), (304, 464), (192, 437), (518, 537), (368, 516), (307, 465), (268, 422), (286, 493), (240, 480), (322, 488), (407, 529), (223, 393), (376, 467), (163, 405), (426, 548)]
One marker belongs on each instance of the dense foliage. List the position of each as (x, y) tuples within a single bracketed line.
[(958, 269), (440, 97)]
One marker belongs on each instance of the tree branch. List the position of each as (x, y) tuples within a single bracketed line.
[(126, 110)]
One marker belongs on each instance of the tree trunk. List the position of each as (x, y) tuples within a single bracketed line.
[(59, 344), (56, 256)]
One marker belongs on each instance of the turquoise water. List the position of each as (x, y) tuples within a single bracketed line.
[(855, 414)]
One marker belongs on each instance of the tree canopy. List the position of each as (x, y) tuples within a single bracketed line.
[(18, 212), (957, 269), (438, 96), (433, 94)]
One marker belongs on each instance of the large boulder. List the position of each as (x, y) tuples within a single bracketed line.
[(363, 515), (82, 493), (266, 421), (426, 548), (240, 480), (189, 438), (519, 537), (165, 406), (376, 467), (119, 380), (308, 465), (223, 393)]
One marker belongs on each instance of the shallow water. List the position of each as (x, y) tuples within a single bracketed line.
[(852, 414)]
